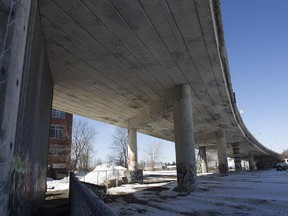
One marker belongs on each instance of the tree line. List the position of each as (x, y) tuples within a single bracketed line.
[(80, 155)]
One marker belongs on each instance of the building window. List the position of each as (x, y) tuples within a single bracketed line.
[(57, 114), (56, 150), (56, 131)]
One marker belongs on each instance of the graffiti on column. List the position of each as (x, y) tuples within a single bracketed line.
[(186, 177), (135, 176)]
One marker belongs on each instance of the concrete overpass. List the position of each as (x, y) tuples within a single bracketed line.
[(120, 62), (157, 67)]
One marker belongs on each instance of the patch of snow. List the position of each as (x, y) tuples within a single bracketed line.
[(102, 172), (123, 189), (55, 185)]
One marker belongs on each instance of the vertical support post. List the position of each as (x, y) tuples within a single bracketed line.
[(203, 159), (251, 161), (134, 175), (237, 159), (184, 139), (132, 149), (222, 153)]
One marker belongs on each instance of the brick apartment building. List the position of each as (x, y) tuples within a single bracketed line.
[(60, 134)]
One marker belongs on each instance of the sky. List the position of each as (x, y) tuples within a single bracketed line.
[(256, 37)]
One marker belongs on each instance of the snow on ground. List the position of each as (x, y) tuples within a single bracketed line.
[(56, 185), (246, 193), (96, 176), (263, 193), (102, 172)]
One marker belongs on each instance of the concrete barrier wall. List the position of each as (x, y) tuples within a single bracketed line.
[(27, 109)]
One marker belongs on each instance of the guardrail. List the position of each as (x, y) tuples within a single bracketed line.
[(84, 202)]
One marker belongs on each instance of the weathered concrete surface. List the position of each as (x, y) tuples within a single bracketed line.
[(184, 139), (237, 159), (135, 176), (25, 125), (119, 62), (222, 152), (251, 161), (132, 149)]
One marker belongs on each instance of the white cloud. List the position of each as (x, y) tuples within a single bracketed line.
[(241, 111)]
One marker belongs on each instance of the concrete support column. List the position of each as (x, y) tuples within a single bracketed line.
[(132, 149), (184, 139), (251, 161), (203, 160), (24, 112), (222, 153), (237, 159), (134, 175)]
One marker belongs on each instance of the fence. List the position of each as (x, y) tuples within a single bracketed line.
[(83, 201)]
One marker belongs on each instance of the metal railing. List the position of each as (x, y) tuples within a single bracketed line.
[(83, 201)]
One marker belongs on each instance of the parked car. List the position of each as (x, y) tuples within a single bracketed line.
[(283, 165)]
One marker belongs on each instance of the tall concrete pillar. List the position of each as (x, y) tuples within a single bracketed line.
[(24, 112), (134, 175), (132, 149), (203, 160), (251, 161), (184, 139), (221, 151), (237, 159)]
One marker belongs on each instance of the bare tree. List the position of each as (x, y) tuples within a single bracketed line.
[(153, 154), (119, 148), (81, 147)]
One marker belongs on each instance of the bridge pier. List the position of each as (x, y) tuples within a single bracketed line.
[(24, 112), (251, 161), (132, 149), (134, 175), (222, 153), (203, 160), (237, 159), (184, 139)]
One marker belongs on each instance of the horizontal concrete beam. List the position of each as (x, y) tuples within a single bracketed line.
[(156, 109)]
